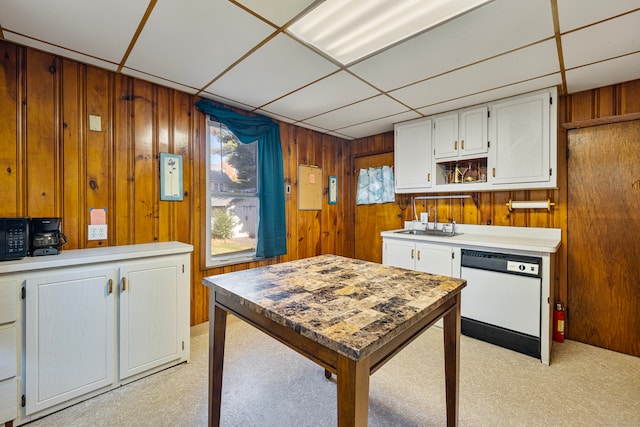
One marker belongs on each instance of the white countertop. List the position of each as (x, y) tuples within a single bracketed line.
[(68, 258), (530, 239)]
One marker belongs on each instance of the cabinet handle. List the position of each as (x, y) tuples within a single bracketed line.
[(124, 284), (455, 145), (493, 172), (110, 285), (412, 252), (418, 255), (462, 144), (429, 177)]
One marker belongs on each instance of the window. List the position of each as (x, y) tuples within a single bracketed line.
[(233, 191)]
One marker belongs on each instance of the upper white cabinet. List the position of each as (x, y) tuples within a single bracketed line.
[(509, 144), (445, 136), (460, 135), (520, 134), (412, 156)]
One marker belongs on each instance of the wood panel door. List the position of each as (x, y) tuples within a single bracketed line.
[(370, 220), (603, 228)]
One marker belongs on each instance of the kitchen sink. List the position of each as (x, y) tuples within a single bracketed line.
[(438, 233)]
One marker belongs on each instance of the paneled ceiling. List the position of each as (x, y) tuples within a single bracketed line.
[(238, 52)]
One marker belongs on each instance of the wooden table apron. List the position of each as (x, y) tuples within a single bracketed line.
[(352, 375)]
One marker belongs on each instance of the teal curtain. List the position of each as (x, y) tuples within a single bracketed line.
[(272, 230)]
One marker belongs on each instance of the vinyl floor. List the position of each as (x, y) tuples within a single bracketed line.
[(267, 384)]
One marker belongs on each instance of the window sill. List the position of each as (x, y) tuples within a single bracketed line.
[(229, 261)]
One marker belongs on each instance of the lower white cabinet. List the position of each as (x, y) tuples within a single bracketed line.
[(8, 400), (150, 303), (8, 350), (93, 320), (70, 335), (427, 257)]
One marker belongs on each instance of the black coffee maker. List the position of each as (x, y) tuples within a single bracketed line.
[(45, 236)]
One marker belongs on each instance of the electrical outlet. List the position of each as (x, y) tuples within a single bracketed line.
[(97, 232)]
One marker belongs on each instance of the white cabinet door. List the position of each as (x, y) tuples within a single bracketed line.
[(8, 400), (412, 156), (69, 335), (150, 314), (427, 257), (520, 135), (399, 253), (461, 135), (445, 136), (473, 132), (8, 301), (434, 259), (8, 352)]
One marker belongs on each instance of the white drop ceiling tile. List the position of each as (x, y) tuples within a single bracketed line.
[(604, 73), (277, 68), (192, 42), (603, 41), (226, 101), (275, 116), (86, 27), (60, 51), (335, 91), (308, 126), (278, 12), (376, 127), (163, 82), (364, 111), (524, 64), (492, 29), (574, 14), (495, 94)]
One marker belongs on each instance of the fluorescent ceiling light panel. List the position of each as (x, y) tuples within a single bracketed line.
[(348, 30)]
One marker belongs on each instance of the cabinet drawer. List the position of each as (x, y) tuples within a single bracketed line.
[(8, 301), (8, 400), (8, 354)]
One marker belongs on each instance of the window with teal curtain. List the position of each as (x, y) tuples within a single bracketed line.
[(272, 228)]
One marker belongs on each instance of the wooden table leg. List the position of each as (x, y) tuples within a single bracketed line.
[(452, 361), (353, 392), (217, 331)]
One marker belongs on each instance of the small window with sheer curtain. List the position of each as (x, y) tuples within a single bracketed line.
[(233, 190)]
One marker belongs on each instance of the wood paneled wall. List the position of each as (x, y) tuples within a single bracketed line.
[(51, 164)]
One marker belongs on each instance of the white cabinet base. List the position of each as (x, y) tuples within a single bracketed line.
[(76, 319)]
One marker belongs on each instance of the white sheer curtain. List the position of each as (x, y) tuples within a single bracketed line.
[(375, 185)]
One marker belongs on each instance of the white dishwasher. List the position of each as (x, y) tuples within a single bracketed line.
[(501, 302)]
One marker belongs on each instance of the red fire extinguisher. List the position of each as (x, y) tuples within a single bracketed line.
[(558, 323)]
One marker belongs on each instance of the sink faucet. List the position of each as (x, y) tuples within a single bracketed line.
[(435, 217)]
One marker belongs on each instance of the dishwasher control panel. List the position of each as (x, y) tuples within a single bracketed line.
[(520, 265), (523, 267)]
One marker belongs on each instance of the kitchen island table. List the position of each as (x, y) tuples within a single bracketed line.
[(348, 316)]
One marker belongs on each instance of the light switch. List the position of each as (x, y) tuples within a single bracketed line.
[(95, 123)]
